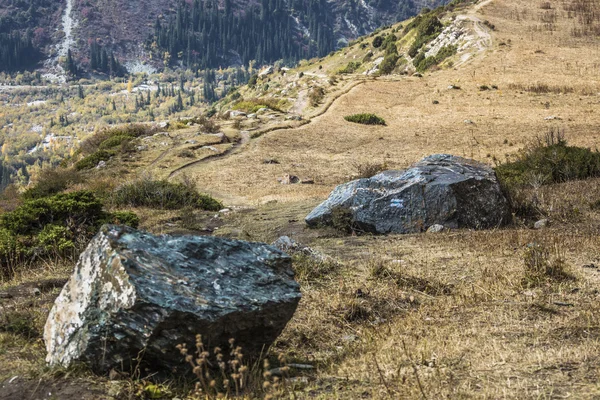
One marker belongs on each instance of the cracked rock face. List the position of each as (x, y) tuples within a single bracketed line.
[(135, 294), (440, 189)]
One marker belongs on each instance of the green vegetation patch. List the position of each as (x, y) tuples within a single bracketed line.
[(92, 160), (550, 163), (428, 28), (57, 226), (164, 195), (350, 68), (255, 104), (423, 63), (365, 119)]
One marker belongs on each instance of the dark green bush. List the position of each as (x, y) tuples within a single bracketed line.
[(366, 119), (163, 195), (350, 68), (423, 63), (114, 141), (377, 41), (388, 64), (124, 218), (55, 226), (428, 28), (92, 160), (76, 210), (551, 163)]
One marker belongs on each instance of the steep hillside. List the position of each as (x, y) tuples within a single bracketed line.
[(206, 33)]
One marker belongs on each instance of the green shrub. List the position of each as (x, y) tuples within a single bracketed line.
[(350, 68), (428, 28), (366, 119), (423, 63), (114, 141), (56, 238), (124, 218), (163, 195), (75, 210), (92, 160), (254, 104), (377, 41), (550, 162), (388, 64)]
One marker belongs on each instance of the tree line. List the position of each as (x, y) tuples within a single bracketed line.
[(202, 35)]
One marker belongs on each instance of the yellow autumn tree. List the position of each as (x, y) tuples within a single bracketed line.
[(130, 85)]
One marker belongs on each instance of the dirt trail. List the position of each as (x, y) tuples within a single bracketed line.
[(246, 136), (244, 140)]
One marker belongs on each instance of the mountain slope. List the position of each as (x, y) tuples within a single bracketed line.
[(310, 27)]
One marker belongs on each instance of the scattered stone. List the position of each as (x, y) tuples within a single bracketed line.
[(440, 189), (289, 179), (591, 266), (5, 295), (436, 228), (270, 161), (135, 293), (262, 110), (266, 71), (541, 224), (469, 122), (307, 181), (225, 211), (251, 116), (553, 118), (163, 124), (141, 148), (191, 141), (294, 118), (290, 246), (280, 371), (236, 113), (435, 102), (101, 164)]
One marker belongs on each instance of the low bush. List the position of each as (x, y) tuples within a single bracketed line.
[(350, 68), (92, 160), (549, 160), (428, 28), (542, 265), (92, 144), (53, 226), (366, 119), (423, 63), (316, 95), (164, 195), (114, 141), (255, 104)]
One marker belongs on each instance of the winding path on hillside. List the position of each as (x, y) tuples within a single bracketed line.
[(482, 41), (247, 136)]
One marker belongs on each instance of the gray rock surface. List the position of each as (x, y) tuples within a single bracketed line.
[(133, 294), (541, 224), (437, 228), (440, 189)]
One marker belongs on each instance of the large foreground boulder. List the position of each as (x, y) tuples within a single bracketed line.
[(440, 189), (134, 294)]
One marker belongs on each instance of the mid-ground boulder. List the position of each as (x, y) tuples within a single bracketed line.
[(440, 189), (134, 294)]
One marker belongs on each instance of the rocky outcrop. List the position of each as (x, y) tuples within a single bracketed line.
[(134, 295), (440, 189)]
